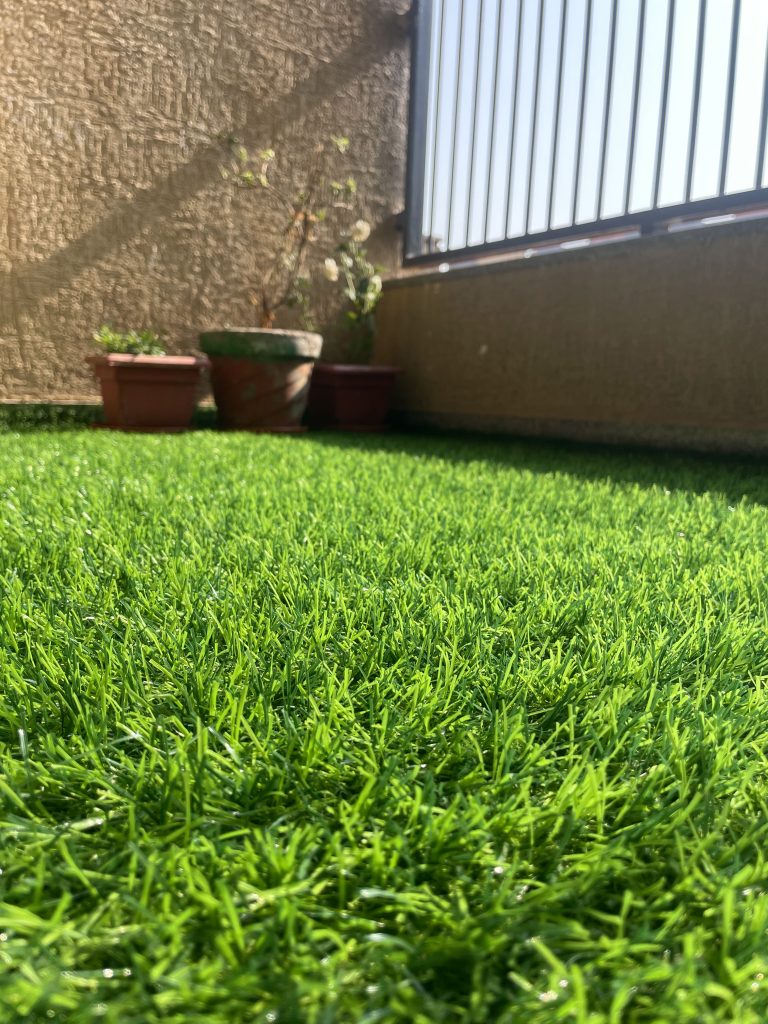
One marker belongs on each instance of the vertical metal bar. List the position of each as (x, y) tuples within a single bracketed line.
[(513, 115), (492, 126), (475, 117), (585, 55), (558, 98), (694, 129), (459, 34), (430, 236), (729, 99), (661, 133), (607, 109), (417, 126), (763, 126), (635, 106), (535, 114)]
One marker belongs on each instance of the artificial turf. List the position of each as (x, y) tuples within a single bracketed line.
[(375, 730)]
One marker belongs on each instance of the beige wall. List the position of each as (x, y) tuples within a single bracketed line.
[(658, 339), (112, 204), (113, 209)]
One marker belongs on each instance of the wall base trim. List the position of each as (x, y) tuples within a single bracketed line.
[(673, 437)]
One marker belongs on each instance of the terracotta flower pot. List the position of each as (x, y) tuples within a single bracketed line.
[(348, 397), (153, 393), (260, 377)]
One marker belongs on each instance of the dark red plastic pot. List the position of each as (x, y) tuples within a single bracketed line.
[(153, 393), (260, 377), (348, 397)]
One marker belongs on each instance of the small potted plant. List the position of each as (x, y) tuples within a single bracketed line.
[(142, 388), (354, 395), (260, 375)]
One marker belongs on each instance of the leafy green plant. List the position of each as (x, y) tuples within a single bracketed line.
[(316, 198), (361, 284), (134, 343)]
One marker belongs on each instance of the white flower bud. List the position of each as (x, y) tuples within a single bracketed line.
[(331, 270), (361, 231)]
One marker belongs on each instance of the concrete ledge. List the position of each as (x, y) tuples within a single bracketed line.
[(616, 245)]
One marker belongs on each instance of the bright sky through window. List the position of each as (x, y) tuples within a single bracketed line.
[(489, 175)]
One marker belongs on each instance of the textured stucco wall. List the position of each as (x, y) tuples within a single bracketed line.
[(661, 339), (112, 204)]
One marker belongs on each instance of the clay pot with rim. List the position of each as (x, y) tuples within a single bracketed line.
[(149, 393), (345, 396), (260, 376)]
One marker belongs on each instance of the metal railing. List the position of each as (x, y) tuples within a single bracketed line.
[(539, 120)]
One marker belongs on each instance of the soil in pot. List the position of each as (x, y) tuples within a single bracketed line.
[(348, 397), (152, 393), (260, 377)]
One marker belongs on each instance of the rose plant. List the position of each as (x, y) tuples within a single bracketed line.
[(317, 198), (361, 286), (354, 395)]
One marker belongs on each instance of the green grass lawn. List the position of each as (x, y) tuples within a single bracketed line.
[(380, 730)]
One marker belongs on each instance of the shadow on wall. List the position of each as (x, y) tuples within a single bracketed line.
[(736, 480), (32, 283)]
